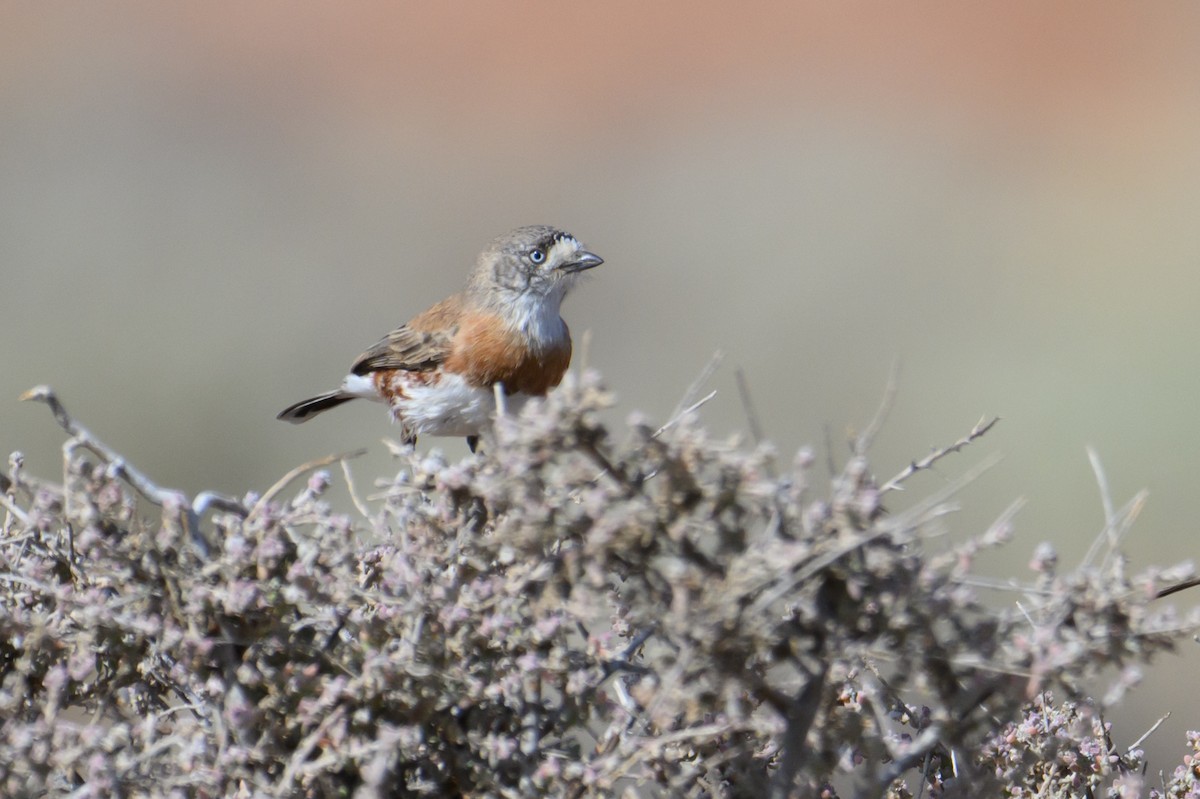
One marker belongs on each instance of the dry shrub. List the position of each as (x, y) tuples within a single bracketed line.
[(557, 616)]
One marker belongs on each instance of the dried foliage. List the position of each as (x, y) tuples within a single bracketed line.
[(559, 615)]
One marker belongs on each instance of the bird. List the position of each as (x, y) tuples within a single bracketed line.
[(438, 373)]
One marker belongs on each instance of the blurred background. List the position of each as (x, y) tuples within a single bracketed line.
[(208, 210)]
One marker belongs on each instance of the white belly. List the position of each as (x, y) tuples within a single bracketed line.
[(449, 408)]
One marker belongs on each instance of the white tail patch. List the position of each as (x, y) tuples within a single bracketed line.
[(361, 386)]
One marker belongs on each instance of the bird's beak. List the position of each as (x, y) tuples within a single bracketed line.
[(580, 261)]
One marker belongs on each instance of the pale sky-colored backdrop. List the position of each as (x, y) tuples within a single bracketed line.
[(208, 209)]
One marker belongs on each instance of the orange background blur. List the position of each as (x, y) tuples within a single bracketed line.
[(208, 209)]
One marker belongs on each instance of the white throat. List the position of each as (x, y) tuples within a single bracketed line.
[(538, 318)]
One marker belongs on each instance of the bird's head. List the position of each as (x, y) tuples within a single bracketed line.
[(530, 262)]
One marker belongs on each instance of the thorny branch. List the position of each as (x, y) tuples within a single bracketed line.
[(168, 499), (981, 428)]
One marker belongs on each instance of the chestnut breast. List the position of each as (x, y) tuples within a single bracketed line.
[(486, 351)]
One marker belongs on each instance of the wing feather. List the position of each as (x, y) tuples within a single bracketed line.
[(419, 346)]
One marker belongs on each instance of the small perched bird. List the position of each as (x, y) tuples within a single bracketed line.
[(438, 372)]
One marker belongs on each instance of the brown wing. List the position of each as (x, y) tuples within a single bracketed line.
[(418, 346), (404, 348)]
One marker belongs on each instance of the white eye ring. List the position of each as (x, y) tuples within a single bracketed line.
[(537, 256)]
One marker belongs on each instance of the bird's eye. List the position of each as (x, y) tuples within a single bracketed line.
[(537, 256)]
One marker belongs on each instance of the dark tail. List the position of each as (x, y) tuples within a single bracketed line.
[(306, 409)]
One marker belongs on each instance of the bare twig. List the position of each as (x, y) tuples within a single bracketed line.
[(830, 464), (981, 427), (306, 747), (1116, 523), (12, 508), (674, 420), (693, 390), (863, 442), (283, 482), (166, 498), (1177, 587), (922, 511), (800, 714), (622, 661), (358, 503), (1005, 518), (1147, 733), (1102, 484), (210, 500), (26, 484), (686, 405), (607, 467), (82, 437), (752, 419), (925, 741), (1112, 534)]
